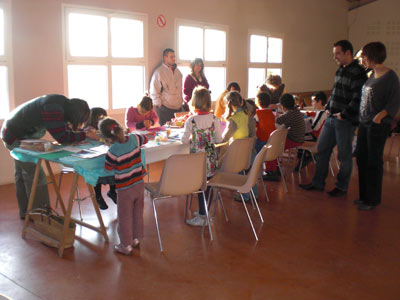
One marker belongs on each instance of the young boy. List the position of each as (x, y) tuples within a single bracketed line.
[(294, 119), (265, 120)]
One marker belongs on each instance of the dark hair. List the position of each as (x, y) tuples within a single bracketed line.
[(146, 103), (345, 45), (195, 62), (77, 112), (253, 107), (110, 129), (264, 99), (166, 51), (94, 116), (375, 51), (287, 101), (320, 96), (234, 98), (234, 85)]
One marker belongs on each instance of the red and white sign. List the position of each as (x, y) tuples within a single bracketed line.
[(161, 21)]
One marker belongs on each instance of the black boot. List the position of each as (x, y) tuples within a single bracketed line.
[(100, 200), (112, 193)]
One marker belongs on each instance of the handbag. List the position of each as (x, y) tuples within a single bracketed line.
[(48, 222)]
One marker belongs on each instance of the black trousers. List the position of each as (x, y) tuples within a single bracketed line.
[(371, 141)]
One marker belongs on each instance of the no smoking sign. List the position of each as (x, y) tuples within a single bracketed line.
[(161, 21)]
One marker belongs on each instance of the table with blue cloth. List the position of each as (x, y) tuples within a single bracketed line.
[(92, 170)]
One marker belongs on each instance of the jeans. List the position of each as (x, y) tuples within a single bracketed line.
[(370, 145), (340, 133), (24, 173), (165, 114)]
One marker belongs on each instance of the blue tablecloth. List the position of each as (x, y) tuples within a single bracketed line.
[(89, 168)]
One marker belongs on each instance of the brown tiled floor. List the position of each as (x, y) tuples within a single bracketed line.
[(311, 247)]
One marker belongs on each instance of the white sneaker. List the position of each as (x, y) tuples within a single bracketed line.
[(198, 220)]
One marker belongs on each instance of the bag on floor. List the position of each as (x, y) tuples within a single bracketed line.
[(50, 223)]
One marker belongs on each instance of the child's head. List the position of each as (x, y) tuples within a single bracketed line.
[(318, 100), (252, 111), (111, 130), (96, 115), (77, 113), (233, 86), (287, 101), (234, 101), (146, 105), (201, 99), (263, 100)]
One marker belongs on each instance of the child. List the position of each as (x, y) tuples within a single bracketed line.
[(124, 157), (237, 116), (318, 101), (203, 130), (143, 116), (96, 115), (294, 119), (265, 120), (220, 104)]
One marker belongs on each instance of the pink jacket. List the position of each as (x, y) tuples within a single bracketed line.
[(134, 120)]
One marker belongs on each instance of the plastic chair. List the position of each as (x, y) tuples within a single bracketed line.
[(183, 174), (277, 141), (241, 183), (237, 159)]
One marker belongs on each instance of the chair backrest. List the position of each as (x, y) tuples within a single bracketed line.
[(238, 156), (183, 174), (277, 141), (255, 169)]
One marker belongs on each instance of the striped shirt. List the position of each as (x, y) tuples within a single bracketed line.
[(346, 93), (295, 120), (126, 161)]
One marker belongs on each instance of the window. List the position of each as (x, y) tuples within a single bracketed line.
[(265, 58), (208, 42), (5, 61), (105, 57)]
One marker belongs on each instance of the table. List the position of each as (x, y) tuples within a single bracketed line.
[(90, 170)]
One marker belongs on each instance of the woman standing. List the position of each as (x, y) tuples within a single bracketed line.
[(195, 78), (380, 102)]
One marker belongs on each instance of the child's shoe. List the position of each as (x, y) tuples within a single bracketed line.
[(198, 220), (100, 201), (112, 195), (135, 243), (126, 250)]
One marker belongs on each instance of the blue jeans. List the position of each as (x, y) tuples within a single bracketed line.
[(340, 133)]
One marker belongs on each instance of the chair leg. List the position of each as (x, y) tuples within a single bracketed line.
[(265, 189), (207, 216), (283, 176), (158, 229), (248, 217), (222, 204), (256, 204)]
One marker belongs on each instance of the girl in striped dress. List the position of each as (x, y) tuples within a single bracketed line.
[(124, 157)]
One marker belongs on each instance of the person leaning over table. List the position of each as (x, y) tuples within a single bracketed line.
[(380, 101), (62, 118)]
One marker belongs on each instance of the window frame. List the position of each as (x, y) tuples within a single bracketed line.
[(6, 59), (207, 63), (107, 61), (263, 65)]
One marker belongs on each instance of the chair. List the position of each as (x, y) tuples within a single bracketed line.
[(237, 159), (241, 183), (277, 141), (183, 174), (312, 148), (180, 114), (68, 170)]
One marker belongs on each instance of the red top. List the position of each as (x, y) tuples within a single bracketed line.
[(265, 124)]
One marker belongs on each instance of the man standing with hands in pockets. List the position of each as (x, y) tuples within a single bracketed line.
[(343, 109)]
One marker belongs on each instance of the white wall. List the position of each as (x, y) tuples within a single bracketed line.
[(378, 21), (309, 28)]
